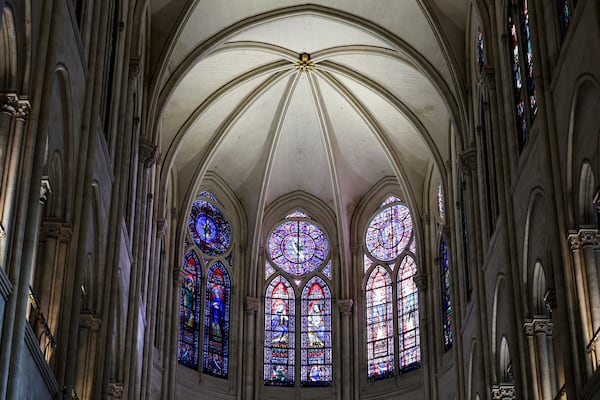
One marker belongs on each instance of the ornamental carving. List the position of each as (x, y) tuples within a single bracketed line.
[(468, 161), (589, 237), (114, 390), (503, 392), (90, 321), (345, 306), (9, 103), (23, 109), (538, 326), (574, 242), (56, 230)]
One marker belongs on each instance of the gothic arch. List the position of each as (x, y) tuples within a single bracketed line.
[(534, 244), (496, 331)]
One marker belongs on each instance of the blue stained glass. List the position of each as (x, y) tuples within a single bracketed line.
[(409, 338), (564, 14), (380, 338), (440, 202), (327, 270), (209, 228), (298, 247), (389, 232), (316, 368), (480, 52), (517, 82), (446, 303), (189, 312), (268, 270), (390, 200), (297, 214), (279, 357), (208, 195), (368, 263), (216, 321), (527, 45)]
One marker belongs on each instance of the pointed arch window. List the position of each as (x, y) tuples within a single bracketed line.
[(446, 303), (564, 15), (392, 304), (298, 252), (523, 68), (480, 51), (209, 247), (216, 321)]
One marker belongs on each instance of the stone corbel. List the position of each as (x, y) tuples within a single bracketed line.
[(251, 305), (538, 325), (345, 306), (9, 103), (115, 390), (45, 190)]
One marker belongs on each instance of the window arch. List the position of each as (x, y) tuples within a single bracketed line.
[(521, 49), (564, 15), (209, 244), (390, 269), (299, 269)]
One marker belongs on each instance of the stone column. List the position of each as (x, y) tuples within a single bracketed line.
[(89, 326), (347, 386), (540, 330), (589, 241), (8, 108), (529, 334), (250, 307), (584, 330)]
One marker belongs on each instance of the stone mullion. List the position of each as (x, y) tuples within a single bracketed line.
[(250, 376), (345, 370)]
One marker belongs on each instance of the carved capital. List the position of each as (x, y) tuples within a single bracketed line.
[(161, 227), (538, 326), (23, 109), (420, 279), (574, 241), (468, 161), (503, 391), (589, 237), (114, 390), (9, 103), (148, 153), (345, 306), (135, 68), (52, 229), (45, 190), (90, 321), (251, 305)]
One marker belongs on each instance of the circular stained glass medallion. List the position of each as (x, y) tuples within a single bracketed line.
[(209, 228), (389, 232), (298, 247)]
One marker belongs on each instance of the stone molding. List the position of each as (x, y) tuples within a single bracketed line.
[(115, 390), (148, 153), (584, 238), (503, 391), (56, 230), (345, 306), (537, 326), (9, 102), (90, 321), (251, 305)]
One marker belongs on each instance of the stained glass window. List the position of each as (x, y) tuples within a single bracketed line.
[(209, 229), (298, 247), (564, 15), (480, 52), (297, 214), (517, 82), (440, 202), (389, 232), (368, 263), (408, 317), (446, 304), (413, 247), (279, 333), (268, 270), (189, 311), (390, 200), (216, 321), (380, 337), (529, 64), (207, 194), (327, 270), (316, 334)]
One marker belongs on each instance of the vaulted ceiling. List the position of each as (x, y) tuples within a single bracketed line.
[(375, 96)]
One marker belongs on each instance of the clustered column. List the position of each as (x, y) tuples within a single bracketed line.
[(538, 331)]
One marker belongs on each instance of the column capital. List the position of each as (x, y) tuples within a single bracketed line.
[(9, 102), (420, 279), (115, 390), (537, 326), (53, 229), (148, 153), (504, 391), (589, 237), (251, 305), (23, 109), (574, 241), (345, 306), (468, 160), (90, 321)]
